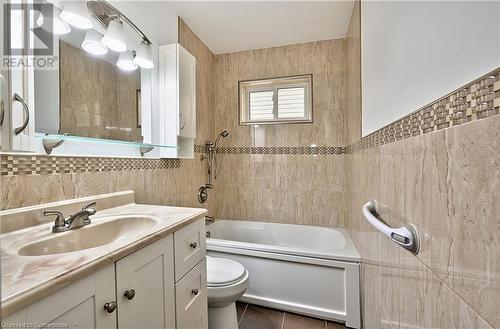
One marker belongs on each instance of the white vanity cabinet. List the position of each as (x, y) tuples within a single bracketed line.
[(190, 276), (177, 100), (140, 290), (79, 305), (145, 287)]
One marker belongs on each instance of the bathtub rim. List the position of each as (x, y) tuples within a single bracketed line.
[(348, 254)]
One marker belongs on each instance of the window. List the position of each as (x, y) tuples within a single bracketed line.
[(278, 100)]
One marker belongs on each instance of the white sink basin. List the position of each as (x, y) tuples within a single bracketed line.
[(93, 235)]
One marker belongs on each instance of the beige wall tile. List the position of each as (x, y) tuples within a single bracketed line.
[(282, 182), (447, 184)]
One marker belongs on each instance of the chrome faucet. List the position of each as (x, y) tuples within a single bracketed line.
[(77, 220), (209, 220)]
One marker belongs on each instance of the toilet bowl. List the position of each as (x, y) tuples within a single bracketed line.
[(227, 281)]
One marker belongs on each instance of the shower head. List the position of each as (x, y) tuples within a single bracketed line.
[(224, 134)]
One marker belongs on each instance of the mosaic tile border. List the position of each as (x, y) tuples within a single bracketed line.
[(200, 148), (474, 101), (314, 150), (22, 165)]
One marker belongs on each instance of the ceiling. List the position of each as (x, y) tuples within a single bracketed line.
[(230, 26)]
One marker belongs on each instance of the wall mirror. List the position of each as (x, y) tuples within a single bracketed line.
[(88, 96), (100, 87)]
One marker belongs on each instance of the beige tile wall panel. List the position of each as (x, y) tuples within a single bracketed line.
[(265, 175)]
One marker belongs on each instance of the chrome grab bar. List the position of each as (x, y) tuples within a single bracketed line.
[(19, 99), (405, 236)]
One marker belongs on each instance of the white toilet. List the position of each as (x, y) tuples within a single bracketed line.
[(227, 281)]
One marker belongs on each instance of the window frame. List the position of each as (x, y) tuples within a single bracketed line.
[(245, 87)]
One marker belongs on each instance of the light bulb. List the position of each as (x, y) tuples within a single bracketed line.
[(93, 45), (126, 61), (144, 56), (51, 22), (76, 14), (115, 36)]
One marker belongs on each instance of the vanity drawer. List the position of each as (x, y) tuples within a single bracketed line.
[(191, 298), (190, 247)]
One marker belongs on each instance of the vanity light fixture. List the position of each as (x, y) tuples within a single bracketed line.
[(126, 61), (76, 14), (144, 55), (114, 37), (112, 20), (93, 45)]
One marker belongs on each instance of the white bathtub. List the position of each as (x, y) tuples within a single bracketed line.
[(303, 269)]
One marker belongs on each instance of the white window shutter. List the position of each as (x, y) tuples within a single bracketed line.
[(291, 103), (261, 105)]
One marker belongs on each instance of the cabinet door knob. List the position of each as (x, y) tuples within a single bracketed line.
[(194, 292), (110, 307), (130, 294), (193, 245)]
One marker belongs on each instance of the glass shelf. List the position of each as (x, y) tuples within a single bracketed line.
[(55, 137)]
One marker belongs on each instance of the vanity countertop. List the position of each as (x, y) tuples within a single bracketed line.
[(26, 279)]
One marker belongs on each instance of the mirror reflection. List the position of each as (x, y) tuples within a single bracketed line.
[(96, 91)]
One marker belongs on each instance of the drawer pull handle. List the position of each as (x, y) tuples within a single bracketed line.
[(193, 245), (194, 292), (129, 294), (110, 307)]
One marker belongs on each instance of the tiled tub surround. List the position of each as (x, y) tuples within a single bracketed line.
[(271, 172), (448, 184), (443, 177), (27, 279)]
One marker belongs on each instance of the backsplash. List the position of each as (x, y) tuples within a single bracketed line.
[(18, 165)]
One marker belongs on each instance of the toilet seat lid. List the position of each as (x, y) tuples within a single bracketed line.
[(223, 271)]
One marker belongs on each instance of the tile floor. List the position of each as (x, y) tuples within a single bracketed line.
[(256, 317)]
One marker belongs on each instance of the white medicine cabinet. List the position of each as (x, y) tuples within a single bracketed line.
[(177, 92)]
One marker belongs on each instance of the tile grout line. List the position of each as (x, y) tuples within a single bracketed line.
[(453, 291), (283, 320)]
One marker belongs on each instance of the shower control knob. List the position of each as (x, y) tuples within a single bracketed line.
[(129, 294), (202, 194), (193, 245)]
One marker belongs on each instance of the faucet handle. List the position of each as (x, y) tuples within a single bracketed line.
[(90, 208), (60, 222), (59, 214)]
